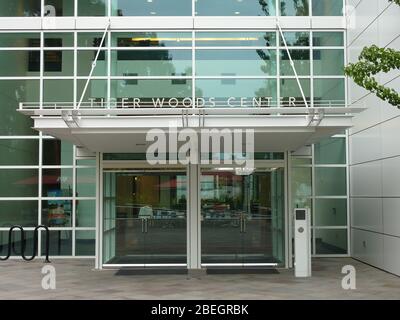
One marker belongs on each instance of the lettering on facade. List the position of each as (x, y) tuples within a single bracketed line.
[(187, 102)]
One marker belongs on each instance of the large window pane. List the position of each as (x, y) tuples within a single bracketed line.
[(16, 244), (19, 152), (151, 8), (20, 40), (85, 60), (58, 39), (57, 213), (85, 213), (298, 39), (86, 182), (151, 63), (58, 91), (20, 212), (301, 187), (323, 39), (60, 243), (294, 7), (59, 8), (58, 63), (237, 38), (235, 8), (329, 62), (291, 93), (330, 212), (151, 39), (301, 60), (19, 63), (330, 241), (330, 151), (12, 92), (57, 182), (85, 243), (92, 8), (95, 95), (329, 92), (56, 152), (236, 92), (124, 91), (20, 8), (90, 39), (327, 7), (235, 62), (19, 183), (330, 181)]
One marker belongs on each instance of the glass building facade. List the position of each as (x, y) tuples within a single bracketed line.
[(49, 181)]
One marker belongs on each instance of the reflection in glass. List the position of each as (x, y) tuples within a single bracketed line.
[(291, 93), (19, 183), (301, 60), (330, 181), (328, 62), (151, 63), (323, 39), (242, 217), (92, 8), (19, 152), (85, 242), (144, 217), (235, 8), (58, 39), (237, 38), (330, 241), (58, 63), (86, 182), (327, 7), (237, 92), (90, 39), (151, 39), (85, 213), (19, 40), (330, 151), (19, 212), (330, 212), (57, 182), (58, 91), (59, 8), (60, 243), (294, 7), (235, 62), (151, 8), (57, 213), (296, 39), (12, 92), (95, 95), (329, 92), (16, 243), (19, 63), (85, 59), (20, 8)]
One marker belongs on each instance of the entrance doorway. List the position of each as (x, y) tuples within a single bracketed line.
[(242, 217), (144, 217)]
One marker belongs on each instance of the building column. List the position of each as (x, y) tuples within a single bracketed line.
[(193, 218)]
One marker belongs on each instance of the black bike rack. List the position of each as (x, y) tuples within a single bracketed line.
[(11, 244)]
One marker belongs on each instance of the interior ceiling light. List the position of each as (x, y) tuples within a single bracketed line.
[(197, 39)]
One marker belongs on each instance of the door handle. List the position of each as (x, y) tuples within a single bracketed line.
[(241, 224), (244, 225), (142, 225), (146, 225)]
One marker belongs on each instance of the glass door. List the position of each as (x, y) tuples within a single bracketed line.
[(144, 217), (242, 217)]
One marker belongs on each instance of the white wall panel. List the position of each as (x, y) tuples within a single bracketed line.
[(368, 247), (391, 254), (366, 213), (390, 136), (365, 145), (365, 179), (391, 216), (391, 177)]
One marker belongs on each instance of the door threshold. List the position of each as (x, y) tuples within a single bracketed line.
[(241, 270), (140, 271)]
